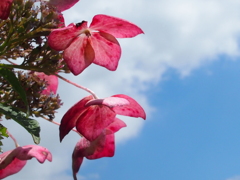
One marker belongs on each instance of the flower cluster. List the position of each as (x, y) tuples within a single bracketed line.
[(48, 48), (96, 121)]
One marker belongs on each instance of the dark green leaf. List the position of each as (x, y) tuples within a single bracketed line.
[(31, 125), (16, 85)]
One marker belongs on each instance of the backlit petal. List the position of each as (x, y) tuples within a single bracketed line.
[(107, 50), (63, 5), (5, 6), (133, 109), (60, 39), (107, 150), (51, 80), (109, 101), (13, 161), (94, 120), (79, 54), (117, 27), (115, 126), (71, 116)]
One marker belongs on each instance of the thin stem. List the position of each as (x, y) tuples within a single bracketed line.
[(54, 122), (64, 79), (11, 62), (15, 141), (81, 87)]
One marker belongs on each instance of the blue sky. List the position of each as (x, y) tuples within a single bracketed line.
[(193, 134), (184, 71)]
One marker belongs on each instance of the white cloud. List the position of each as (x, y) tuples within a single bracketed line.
[(178, 34), (234, 178)]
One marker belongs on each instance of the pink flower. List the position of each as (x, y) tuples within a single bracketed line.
[(91, 116), (52, 82), (5, 6), (13, 161), (63, 5), (103, 146), (96, 44)]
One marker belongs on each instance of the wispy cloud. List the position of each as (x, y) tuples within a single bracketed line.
[(234, 178)]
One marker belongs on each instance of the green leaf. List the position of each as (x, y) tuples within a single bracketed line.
[(31, 125), (16, 85), (3, 131)]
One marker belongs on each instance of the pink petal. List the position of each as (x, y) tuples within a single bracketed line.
[(85, 148), (78, 153), (79, 55), (107, 150), (76, 163), (29, 151), (94, 120), (117, 27), (13, 161), (5, 6), (63, 5), (107, 50), (71, 116), (52, 82), (60, 39), (110, 102), (14, 167), (61, 19), (133, 109), (115, 126)]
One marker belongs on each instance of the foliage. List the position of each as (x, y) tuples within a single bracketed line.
[(35, 47)]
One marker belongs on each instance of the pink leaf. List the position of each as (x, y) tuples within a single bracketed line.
[(14, 167), (60, 39), (13, 161), (133, 109), (71, 116), (94, 120), (85, 148), (110, 102), (5, 6), (106, 150), (52, 82), (117, 27), (79, 54), (61, 19), (76, 164), (107, 50), (63, 5), (115, 126), (79, 152)]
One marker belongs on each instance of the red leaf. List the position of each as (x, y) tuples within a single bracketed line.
[(60, 39), (117, 27), (52, 82), (115, 126), (63, 5), (133, 109), (94, 120), (13, 161), (107, 50), (106, 149), (71, 116), (79, 54), (109, 101), (5, 6)]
